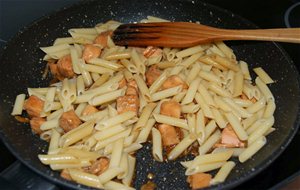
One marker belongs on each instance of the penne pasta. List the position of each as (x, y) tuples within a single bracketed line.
[(18, 106), (179, 148), (223, 172), (171, 121), (252, 149), (157, 145), (263, 75)]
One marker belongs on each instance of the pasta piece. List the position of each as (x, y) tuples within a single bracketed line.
[(131, 166), (200, 127), (116, 120), (263, 128), (223, 172), (101, 99), (270, 109), (116, 153), (18, 106), (205, 108), (102, 144), (157, 145), (105, 64), (85, 178), (189, 51), (210, 142), (73, 136), (263, 75), (144, 117), (166, 93), (190, 108), (205, 168), (57, 159), (143, 135), (252, 149), (109, 174), (142, 87), (264, 89), (192, 59), (171, 121), (124, 165), (179, 148), (238, 129), (190, 94)]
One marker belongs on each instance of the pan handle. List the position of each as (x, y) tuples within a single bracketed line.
[(18, 176)]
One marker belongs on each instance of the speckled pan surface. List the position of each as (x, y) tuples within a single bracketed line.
[(21, 67)]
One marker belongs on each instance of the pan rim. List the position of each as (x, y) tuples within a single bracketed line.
[(227, 184)]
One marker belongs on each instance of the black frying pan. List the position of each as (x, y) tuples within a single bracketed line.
[(21, 67)]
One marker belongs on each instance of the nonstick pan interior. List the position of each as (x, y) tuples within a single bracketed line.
[(22, 67)]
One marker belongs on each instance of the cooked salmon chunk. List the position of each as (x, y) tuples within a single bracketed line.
[(132, 88), (152, 51), (173, 81), (99, 166), (54, 71), (244, 97), (35, 124), (168, 134), (34, 106), (199, 180), (69, 120), (152, 74), (90, 51), (88, 110), (101, 39), (65, 174), (128, 103), (122, 83), (229, 138), (64, 66), (170, 108)]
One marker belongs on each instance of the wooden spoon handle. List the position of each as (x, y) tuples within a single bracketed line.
[(291, 35)]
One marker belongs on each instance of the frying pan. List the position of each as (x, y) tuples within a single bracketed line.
[(21, 67)]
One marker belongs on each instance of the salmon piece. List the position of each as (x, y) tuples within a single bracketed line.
[(173, 81), (88, 110), (64, 66), (101, 39), (128, 103), (69, 120), (99, 166), (151, 51), (168, 134), (131, 91), (54, 71), (199, 180), (170, 108), (149, 186), (122, 83), (65, 174), (132, 88), (34, 106), (229, 139), (35, 124), (132, 83), (22, 119), (244, 97), (90, 51), (152, 74)]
